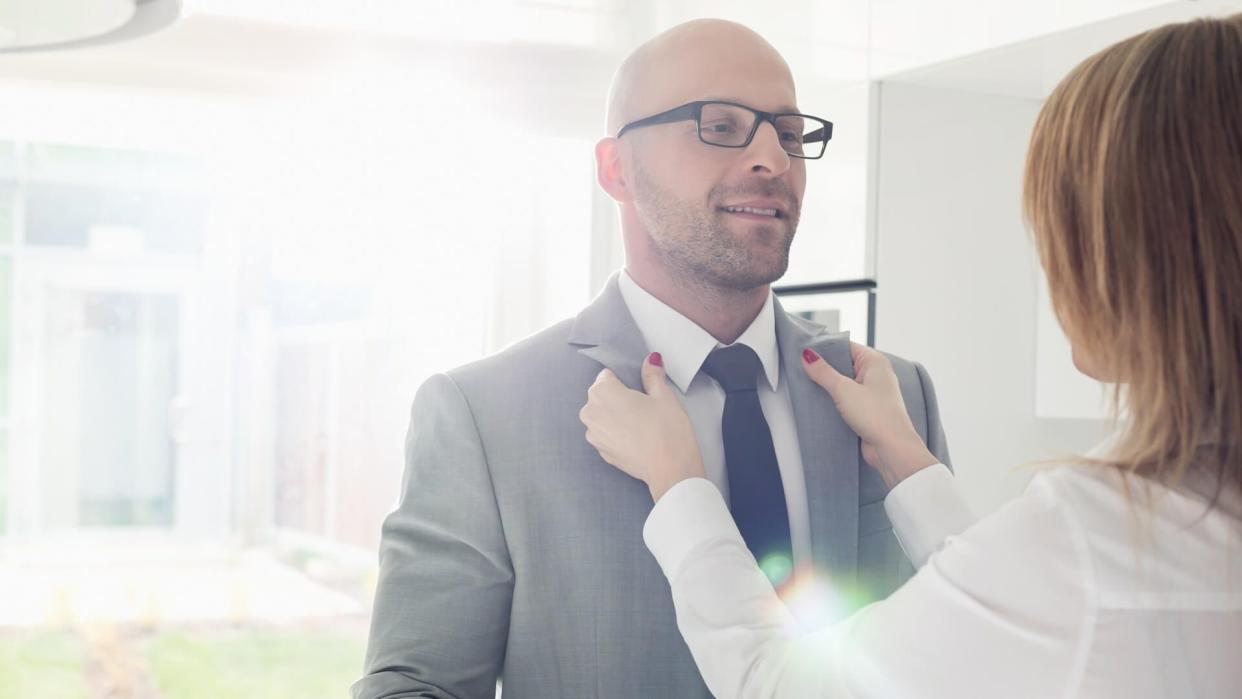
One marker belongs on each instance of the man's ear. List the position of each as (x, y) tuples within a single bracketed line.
[(609, 171)]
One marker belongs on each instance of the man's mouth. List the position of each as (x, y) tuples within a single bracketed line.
[(760, 212)]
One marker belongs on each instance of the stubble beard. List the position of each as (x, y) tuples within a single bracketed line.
[(697, 245)]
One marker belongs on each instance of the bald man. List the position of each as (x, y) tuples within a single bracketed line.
[(516, 553)]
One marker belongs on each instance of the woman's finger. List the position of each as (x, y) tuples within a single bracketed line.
[(607, 391), (858, 351), (604, 376), (653, 375)]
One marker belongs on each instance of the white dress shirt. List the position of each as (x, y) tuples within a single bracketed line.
[(684, 346), (1081, 587)]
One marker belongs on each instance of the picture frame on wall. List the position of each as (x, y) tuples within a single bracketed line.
[(845, 306)]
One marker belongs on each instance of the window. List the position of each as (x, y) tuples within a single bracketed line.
[(112, 200)]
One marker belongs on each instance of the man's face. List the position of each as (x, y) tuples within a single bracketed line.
[(690, 196)]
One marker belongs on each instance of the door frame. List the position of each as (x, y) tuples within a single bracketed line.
[(39, 271)]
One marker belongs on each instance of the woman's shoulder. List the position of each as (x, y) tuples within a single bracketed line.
[(1102, 493), (1088, 491), (1147, 545)]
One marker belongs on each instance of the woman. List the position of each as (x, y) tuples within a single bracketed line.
[(1115, 576)]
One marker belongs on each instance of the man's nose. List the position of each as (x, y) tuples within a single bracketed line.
[(764, 154)]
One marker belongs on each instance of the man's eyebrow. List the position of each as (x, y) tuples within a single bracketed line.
[(784, 109)]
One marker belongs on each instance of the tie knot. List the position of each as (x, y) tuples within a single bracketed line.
[(735, 368)]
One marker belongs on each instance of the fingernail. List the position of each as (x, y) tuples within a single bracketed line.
[(809, 357), (656, 359)]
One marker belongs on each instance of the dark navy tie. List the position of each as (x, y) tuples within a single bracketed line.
[(756, 495)]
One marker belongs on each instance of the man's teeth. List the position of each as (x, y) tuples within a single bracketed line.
[(750, 210)]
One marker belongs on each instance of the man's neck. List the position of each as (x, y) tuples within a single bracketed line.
[(724, 313)]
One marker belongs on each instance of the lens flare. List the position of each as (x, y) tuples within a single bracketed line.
[(777, 567)]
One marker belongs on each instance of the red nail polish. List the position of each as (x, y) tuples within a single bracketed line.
[(656, 359), (809, 357)]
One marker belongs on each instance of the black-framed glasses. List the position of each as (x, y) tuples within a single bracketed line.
[(733, 125)]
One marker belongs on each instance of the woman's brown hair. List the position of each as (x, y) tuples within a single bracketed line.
[(1133, 194)]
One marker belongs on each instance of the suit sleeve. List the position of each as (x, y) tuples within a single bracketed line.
[(441, 617)]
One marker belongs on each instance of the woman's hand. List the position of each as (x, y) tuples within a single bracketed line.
[(646, 435), (872, 406)]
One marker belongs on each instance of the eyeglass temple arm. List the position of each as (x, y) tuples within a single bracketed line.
[(823, 133), (686, 111)]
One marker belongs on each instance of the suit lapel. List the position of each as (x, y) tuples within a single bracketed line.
[(830, 450), (606, 332)]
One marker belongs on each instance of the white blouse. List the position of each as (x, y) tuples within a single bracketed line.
[(1074, 589)]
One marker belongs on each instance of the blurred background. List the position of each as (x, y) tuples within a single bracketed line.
[(232, 248)]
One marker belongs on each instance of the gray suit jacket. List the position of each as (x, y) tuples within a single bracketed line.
[(516, 552)]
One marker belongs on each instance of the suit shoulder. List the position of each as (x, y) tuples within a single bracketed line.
[(535, 353), (904, 367), (916, 385)]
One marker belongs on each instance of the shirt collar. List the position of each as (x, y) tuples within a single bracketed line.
[(684, 345)]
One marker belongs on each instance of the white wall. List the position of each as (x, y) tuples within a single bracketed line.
[(957, 278), (831, 244)]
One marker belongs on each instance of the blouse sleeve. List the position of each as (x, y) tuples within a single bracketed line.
[(1000, 610), (925, 510)]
